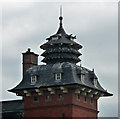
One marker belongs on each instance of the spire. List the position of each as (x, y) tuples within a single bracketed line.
[(60, 10), (61, 30), (61, 18)]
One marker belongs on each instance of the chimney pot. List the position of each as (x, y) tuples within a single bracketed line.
[(28, 49)]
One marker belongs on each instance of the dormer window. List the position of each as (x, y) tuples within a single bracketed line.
[(55, 38), (71, 38), (82, 78), (33, 79), (58, 76), (95, 82)]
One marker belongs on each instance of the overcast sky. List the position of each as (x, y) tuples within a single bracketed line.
[(28, 24)]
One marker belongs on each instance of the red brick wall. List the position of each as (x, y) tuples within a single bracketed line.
[(83, 109), (70, 106), (49, 112), (86, 104), (83, 112), (53, 108)]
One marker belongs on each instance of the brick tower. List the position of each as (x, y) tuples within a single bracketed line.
[(60, 88)]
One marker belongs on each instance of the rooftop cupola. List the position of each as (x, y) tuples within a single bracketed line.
[(61, 47)]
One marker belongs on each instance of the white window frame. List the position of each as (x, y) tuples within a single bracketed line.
[(55, 38), (58, 78), (83, 78), (95, 82), (33, 79)]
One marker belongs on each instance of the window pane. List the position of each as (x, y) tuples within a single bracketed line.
[(60, 96), (35, 99), (82, 78), (91, 101), (78, 97), (58, 76), (95, 82), (33, 79), (85, 99), (48, 98)]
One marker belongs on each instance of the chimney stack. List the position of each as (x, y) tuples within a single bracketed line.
[(29, 59)]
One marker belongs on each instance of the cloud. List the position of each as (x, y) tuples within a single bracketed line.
[(105, 110)]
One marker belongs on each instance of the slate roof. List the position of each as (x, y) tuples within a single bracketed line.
[(61, 55), (63, 40), (12, 109), (61, 47), (61, 50), (70, 76)]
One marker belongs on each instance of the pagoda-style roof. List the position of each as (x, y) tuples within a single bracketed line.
[(61, 47), (71, 75), (61, 40), (61, 55)]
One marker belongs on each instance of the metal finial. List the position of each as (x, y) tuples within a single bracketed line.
[(61, 10), (61, 18)]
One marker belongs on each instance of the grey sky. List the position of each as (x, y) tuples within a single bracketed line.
[(95, 25)]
